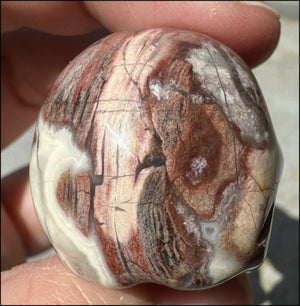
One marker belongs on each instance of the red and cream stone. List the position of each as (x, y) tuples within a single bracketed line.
[(155, 160)]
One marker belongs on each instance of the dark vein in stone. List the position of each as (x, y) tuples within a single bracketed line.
[(75, 106), (86, 99), (153, 159), (122, 255)]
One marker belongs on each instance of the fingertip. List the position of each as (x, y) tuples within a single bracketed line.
[(48, 282), (236, 291), (12, 248), (248, 27), (56, 17), (251, 30), (17, 201), (264, 32)]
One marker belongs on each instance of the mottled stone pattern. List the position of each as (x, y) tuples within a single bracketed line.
[(183, 164)]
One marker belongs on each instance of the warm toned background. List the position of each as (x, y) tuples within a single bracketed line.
[(277, 281)]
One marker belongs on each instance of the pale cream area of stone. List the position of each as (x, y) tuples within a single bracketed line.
[(223, 265), (54, 153), (116, 136), (257, 188), (120, 88)]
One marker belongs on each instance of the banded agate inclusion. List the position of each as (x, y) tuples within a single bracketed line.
[(155, 160)]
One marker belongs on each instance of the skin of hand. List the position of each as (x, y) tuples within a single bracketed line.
[(38, 41)]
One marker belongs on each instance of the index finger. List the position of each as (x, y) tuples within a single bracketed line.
[(251, 28)]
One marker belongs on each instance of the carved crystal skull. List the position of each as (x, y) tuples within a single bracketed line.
[(155, 160)]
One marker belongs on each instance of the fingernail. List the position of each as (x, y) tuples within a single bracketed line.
[(263, 5)]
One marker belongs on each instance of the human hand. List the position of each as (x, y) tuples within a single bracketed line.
[(31, 62)]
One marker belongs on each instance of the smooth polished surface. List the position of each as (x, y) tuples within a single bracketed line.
[(156, 159), (283, 288)]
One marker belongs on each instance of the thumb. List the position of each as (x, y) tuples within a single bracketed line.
[(48, 281)]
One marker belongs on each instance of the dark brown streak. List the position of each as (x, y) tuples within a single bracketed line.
[(180, 91), (117, 208), (86, 98), (157, 137), (50, 100), (124, 260), (114, 177), (60, 100), (75, 106), (90, 134), (178, 131), (153, 159)]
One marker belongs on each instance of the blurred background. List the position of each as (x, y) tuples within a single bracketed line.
[(276, 282)]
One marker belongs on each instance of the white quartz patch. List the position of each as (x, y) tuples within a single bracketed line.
[(197, 99), (161, 92), (223, 265), (53, 153), (212, 71), (197, 165)]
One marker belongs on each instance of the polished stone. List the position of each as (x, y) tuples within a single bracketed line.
[(155, 160)]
